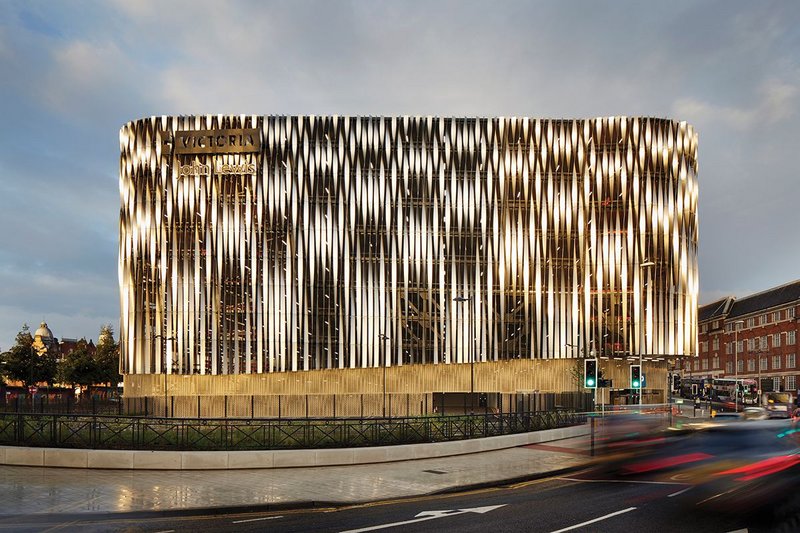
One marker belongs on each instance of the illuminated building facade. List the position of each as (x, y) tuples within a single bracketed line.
[(271, 244)]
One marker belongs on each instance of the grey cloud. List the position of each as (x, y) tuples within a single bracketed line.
[(74, 75)]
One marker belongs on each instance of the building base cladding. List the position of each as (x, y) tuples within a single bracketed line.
[(401, 391), (271, 248)]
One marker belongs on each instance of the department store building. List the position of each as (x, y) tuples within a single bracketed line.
[(328, 255)]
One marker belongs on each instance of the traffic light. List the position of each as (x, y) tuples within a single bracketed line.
[(590, 373), (676, 382), (636, 377)]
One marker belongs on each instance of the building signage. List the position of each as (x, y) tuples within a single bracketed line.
[(234, 141), (245, 168)]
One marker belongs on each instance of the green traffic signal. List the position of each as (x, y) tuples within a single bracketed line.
[(636, 377), (590, 373)]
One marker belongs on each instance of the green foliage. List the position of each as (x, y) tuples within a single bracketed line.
[(81, 367), (22, 364), (107, 355)]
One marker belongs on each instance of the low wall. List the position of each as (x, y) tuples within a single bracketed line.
[(169, 460)]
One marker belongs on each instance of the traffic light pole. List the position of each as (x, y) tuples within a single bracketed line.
[(669, 392)]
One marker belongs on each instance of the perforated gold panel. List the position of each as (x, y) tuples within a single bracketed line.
[(354, 242)]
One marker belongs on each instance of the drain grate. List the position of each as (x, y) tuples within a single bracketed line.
[(435, 471)]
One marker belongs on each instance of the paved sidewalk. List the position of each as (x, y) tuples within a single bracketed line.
[(35, 490)]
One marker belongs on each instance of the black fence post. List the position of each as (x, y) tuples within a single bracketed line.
[(306, 406), (172, 406), (279, 406), (198, 406), (252, 406), (226, 406), (334, 406)]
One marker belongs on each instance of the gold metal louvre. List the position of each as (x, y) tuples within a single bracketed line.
[(354, 242)]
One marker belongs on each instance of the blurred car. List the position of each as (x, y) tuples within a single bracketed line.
[(755, 413), (779, 404), (733, 466)]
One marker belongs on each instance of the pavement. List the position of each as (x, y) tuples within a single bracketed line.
[(38, 490)]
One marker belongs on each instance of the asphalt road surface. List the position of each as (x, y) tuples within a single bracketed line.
[(580, 502)]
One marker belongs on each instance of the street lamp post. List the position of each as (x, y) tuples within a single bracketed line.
[(646, 265), (758, 355), (461, 299), (384, 337), (172, 360), (736, 326)]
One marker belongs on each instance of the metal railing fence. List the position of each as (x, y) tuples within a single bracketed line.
[(150, 433), (301, 405)]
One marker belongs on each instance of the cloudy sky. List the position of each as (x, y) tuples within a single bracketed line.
[(71, 73)]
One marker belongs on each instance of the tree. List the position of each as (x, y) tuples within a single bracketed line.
[(21, 363), (81, 367), (108, 357)]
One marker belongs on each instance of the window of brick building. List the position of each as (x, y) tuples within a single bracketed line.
[(728, 368), (696, 364), (751, 365), (764, 363), (776, 383), (790, 312), (716, 343), (776, 361), (790, 337), (715, 362), (705, 364), (791, 383), (751, 322), (790, 360), (776, 340), (740, 366)]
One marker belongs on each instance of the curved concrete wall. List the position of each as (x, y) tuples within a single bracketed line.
[(169, 460)]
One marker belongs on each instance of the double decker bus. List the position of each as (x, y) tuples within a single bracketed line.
[(723, 393)]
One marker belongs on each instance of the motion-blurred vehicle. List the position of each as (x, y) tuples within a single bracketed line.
[(732, 466), (778, 404), (755, 413)]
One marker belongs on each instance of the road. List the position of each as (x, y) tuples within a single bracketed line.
[(575, 503)]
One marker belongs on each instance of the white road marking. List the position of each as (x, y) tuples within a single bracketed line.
[(256, 519), (598, 519), (428, 515), (679, 492), (634, 481), (739, 531)]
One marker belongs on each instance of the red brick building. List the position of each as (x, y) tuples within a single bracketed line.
[(754, 337)]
